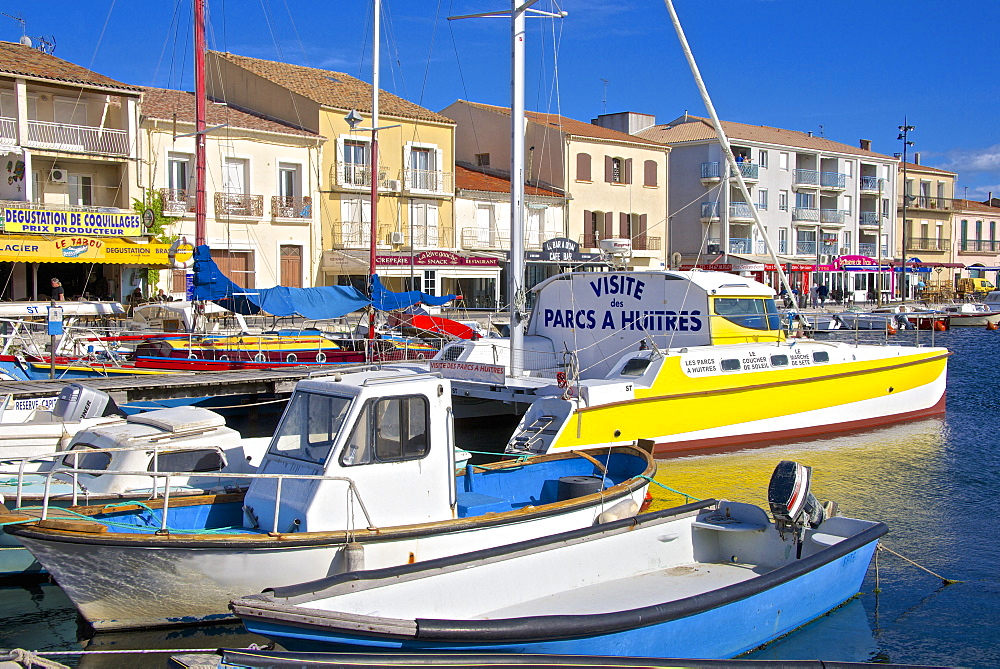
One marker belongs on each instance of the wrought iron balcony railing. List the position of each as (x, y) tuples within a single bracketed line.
[(805, 214), (286, 206), (87, 139), (832, 180), (428, 181), (870, 184), (177, 201), (805, 177), (239, 204), (928, 202), (928, 244)]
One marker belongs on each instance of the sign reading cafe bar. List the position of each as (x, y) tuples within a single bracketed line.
[(54, 222)]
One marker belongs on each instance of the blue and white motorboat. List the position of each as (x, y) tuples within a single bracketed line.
[(710, 579), (360, 473)]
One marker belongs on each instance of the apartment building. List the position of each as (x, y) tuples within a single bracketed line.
[(68, 145), (261, 186), (975, 240), (612, 184), (926, 207), (819, 201), (415, 242)]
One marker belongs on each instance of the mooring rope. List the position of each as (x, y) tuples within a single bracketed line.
[(687, 497), (946, 581)]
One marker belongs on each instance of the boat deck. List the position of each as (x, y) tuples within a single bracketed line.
[(633, 592)]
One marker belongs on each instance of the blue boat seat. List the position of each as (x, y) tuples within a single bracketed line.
[(476, 504)]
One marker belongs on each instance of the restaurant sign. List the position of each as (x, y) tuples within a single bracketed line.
[(52, 221), (432, 258)]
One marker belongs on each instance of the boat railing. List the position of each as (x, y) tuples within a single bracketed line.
[(72, 473), (166, 476)]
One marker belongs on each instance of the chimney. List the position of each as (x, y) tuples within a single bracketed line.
[(809, 132), (916, 157), (685, 115), (866, 144)]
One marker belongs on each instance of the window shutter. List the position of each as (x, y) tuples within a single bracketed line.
[(649, 173), (623, 226), (609, 169), (583, 167), (588, 229), (628, 171), (609, 225), (640, 234)]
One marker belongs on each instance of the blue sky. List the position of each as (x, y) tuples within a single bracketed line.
[(844, 69)]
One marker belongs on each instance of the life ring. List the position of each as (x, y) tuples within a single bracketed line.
[(223, 357), (260, 357), (291, 357), (321, 357), (561, 379)]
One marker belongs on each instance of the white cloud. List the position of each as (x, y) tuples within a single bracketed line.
[(974, 160)]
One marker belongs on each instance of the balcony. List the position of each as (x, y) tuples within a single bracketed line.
[(871, 184), (355, 176), (829, 249), (239, 204), (750, 171), (710, 211), (639, 242), (868, 219), (928, 203), (433, 182), (832, 181), (430, 238), (832, 216), (492, 240), (928, 244), (805, 179), (806, 214), (77, 138), (286, 206), (805, 248), (979, 246), (871, 250), (177, 202), (740, 211), (357, 235), (711, 173), (737, 245)]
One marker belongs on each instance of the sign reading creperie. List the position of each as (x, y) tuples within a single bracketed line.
[(55, 222)]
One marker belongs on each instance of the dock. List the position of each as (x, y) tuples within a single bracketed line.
[(158, 387)]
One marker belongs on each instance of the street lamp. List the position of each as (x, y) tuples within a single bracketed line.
[(904, 130)]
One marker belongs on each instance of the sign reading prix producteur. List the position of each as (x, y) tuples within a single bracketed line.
[(55, 222)]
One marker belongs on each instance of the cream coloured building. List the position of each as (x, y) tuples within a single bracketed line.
[(261, 187)]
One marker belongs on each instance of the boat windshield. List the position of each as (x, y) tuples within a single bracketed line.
[(749, 312), (310, 426)]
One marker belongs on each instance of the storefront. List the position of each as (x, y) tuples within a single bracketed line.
[(88, 267), (475, 277)]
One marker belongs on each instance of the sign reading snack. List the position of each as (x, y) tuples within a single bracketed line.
[(55, 222)]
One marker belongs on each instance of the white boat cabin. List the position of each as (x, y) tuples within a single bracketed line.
[(387, 436)]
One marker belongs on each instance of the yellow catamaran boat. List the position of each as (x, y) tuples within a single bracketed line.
[(691, 360)]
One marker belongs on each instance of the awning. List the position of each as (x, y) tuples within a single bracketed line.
[(909, 263), (15, 248)]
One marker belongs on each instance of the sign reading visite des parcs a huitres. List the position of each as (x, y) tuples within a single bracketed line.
[(52, 221)]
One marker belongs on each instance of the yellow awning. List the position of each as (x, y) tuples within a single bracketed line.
[(82, 250)]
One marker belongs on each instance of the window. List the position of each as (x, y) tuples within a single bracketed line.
[(731, 365), (424, 223), (583, 167), (848, 204), (289, 181), (430, 282), (635, 367), (762, 159), (847, 241), (81, 190), (849, 168), (617, 170), (649, 173), (86, 460), (391, 429), (72, 111), (782, 240), (204, 460), (821, 356), (779, 360), (482, 160), (309, 427), (748, 312), (783, 160), (783, 200), (356, 172), (965, 233), (762, 198), (179, 173), (805, 200), (356, 218), (424, 174)]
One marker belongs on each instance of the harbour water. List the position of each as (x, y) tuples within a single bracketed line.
[(933, 481)]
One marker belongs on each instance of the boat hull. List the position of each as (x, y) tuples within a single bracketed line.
[(683, 617), (767, 406)]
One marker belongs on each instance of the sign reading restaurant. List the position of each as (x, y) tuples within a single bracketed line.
[(52, 221)]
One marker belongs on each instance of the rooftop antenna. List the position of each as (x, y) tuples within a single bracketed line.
[(605, 100), (46, 44), (822, 132)]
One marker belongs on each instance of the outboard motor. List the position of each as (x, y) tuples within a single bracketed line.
[(77, 401), (793, 506)]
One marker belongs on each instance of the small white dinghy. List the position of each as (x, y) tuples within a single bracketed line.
[(710, 579)]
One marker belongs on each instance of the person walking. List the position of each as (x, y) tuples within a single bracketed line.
[(58, 294), (814, 296), (822, 292)]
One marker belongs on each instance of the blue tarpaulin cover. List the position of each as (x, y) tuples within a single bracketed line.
[(314, 303)]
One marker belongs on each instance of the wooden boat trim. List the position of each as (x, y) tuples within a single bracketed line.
[(729, 389), (251, 540), (529, 629)]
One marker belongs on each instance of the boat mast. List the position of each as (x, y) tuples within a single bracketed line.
[(199, 122), (515, 269), (727, 151), (377, 8)]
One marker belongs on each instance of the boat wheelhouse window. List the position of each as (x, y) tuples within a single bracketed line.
[(731, 365), (76, 460), (204, 460), (452, 352), (390, 429), (755, 313), (779, 361), (635, 367), (821, 356), (310, 426)]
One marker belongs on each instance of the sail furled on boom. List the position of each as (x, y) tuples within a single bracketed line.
[(319, 303)]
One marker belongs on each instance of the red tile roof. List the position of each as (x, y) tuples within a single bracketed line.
[(333, 89), (570, 126), (926, 168), (470, 179), (21, 60), (161, 103)]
